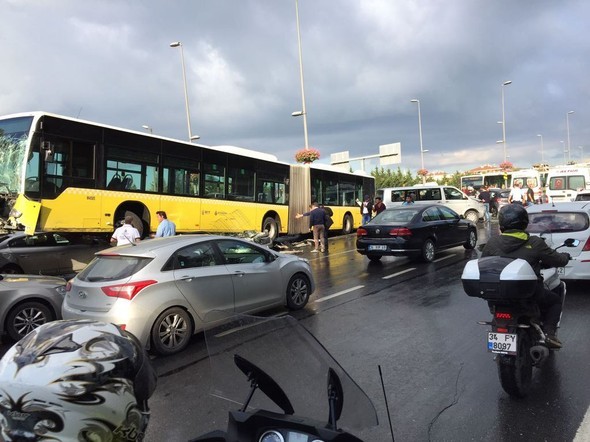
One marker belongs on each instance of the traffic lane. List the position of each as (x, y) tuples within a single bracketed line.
[(440, 381)]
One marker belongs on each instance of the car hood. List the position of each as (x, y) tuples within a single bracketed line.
[(30, 280)]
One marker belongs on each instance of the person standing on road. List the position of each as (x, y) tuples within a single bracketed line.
[(126, 234), (517, 195), (530, 196), (317, 222), (328, 214), (166, 227), (378, 207), (485, 196), (366, 209)]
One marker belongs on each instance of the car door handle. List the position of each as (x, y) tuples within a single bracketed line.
[(239, 273), (186, 278)]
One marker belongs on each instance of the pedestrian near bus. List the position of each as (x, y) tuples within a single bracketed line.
[(486, 197), (126, 234), (166, 227), (328, 221), (517, 195), (317, 224), (530, 196), (366, 209), (378, 207)]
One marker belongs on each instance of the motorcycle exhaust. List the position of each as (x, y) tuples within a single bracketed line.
[(539, 353)]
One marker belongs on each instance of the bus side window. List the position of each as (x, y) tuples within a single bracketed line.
[(115, 183)]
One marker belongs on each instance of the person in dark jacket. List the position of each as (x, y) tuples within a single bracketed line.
[(328, 221), (317, 222), (514, 242), (378, 207)]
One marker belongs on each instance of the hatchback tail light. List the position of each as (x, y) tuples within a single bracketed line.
[(361, 232), (400, 231), (586, 247), (126, 291)]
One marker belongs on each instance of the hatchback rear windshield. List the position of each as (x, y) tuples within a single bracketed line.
[(552, 222), (112, 267)]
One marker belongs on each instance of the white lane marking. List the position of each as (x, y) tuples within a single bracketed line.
[(399, 273), (343, 292), (583, 433), (443, 258)]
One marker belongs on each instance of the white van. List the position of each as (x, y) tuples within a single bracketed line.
[(563, 183), (471, 208)]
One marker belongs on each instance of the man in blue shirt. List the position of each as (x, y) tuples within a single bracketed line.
[(166, 227)]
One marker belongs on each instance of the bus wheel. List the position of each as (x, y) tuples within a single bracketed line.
[(347, 224), (271, 226)]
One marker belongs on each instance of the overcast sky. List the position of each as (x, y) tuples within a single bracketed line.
[(110, 61)]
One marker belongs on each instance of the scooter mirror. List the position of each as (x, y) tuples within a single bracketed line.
[(570, 242)]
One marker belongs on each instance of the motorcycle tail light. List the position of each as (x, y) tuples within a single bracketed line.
[(502, 330), (503, 315)]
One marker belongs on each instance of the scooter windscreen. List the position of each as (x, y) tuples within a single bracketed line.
[(287, 352)]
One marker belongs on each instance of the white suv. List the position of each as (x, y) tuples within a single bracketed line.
[(471, 208)]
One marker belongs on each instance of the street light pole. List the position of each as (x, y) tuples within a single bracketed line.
[(177, 44), (564, 152), (542, 156), (567, 121), (506, 83), (303, 110), (420, 132)]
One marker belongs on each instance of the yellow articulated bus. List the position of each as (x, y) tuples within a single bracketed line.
[(61, 174)]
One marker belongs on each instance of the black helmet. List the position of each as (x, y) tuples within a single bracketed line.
[(513, 217)]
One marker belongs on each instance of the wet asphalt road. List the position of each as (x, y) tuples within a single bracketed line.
[(415, 321)]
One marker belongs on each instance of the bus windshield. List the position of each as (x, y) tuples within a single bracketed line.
[(14, 135)]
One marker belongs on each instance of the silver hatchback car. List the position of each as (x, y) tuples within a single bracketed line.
[(162, 289)]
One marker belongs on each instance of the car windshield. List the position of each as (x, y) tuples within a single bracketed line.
[(112, 267), (555, 222), (395, 216)]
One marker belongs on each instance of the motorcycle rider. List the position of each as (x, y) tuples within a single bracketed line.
[(514, 242)]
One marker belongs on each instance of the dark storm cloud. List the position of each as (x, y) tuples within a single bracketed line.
[(110, 62)]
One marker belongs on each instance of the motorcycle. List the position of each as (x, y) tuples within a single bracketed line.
[(516, 336), (312, 383)]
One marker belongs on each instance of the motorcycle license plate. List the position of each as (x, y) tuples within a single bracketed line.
[(561, 270), (504, 343)]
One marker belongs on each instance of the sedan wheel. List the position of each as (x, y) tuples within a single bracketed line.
[(172, 331), (26, 317), (471, 240), (428, 250), (298, 291)]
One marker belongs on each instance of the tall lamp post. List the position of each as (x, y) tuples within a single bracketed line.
[(542, 155), (177, 44), (567, 123), (504, 84), (564, 152), (581, 153), (420, 132), (303, 112)]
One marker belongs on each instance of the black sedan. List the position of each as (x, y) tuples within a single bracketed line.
[(417, 231)]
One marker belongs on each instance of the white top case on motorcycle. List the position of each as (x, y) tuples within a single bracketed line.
[(499, 278)]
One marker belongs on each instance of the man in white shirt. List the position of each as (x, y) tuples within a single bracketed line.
[(126, 234), (517, 195)]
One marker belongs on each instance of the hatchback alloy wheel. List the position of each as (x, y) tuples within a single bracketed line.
[(172, 331), (26, 318), (298, 291)]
